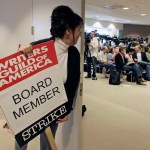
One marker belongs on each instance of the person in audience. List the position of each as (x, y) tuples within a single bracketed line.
[(121, 65), (129, 57), (93, 51), (107, 44), (116, 50), (131, 62), (132, 44), (103, 60), (140, 58), (148, 53), (111, 54)]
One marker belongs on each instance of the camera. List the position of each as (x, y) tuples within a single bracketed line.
[(87, 40)]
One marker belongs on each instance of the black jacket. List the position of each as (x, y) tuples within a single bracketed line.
[(73, 73), (120, 62)]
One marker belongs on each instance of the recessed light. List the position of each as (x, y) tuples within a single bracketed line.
[(143, 14), (125, 8)]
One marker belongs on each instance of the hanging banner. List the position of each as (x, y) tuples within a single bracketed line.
[(32, 94)]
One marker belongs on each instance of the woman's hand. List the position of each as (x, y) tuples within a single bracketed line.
[(135, 60), (26, 50), (62, 120)]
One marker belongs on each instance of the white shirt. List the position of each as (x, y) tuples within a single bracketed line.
[(129, 58), (94, 49), (102, 57), (139, 57), (62, 56)]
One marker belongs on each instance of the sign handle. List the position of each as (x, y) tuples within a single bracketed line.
[(50, 138)]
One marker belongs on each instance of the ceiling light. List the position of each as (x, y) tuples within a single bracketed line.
[(143, 14), (112, 6), (125, 8)]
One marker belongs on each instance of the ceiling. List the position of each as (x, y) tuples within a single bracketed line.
[(112, 10)]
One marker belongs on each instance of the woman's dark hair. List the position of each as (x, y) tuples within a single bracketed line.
[(63, 18), (111, 50), (130, 50)]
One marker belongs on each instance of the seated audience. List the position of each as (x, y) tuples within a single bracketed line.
[(140, 58), (103, 60), (121, 65), (148, 53)]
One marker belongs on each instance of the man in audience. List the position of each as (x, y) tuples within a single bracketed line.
[(132, 44), (121, 65), (140, 58)]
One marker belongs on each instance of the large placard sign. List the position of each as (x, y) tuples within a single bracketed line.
[(32, 94)]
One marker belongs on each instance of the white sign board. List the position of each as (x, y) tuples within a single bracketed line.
[(32, 94)]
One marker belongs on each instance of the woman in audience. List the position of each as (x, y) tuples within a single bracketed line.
[(111, 55)]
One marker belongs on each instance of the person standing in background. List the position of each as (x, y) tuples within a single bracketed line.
[(93, 52)]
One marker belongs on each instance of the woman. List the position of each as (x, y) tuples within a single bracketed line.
[(65, 30)]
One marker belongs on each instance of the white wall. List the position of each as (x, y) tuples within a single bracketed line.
[(104, 25), (15, 25)]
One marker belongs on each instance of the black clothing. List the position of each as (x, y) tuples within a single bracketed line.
[(120, 61), (143, 55)]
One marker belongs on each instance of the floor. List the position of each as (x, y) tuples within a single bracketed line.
[(117, 117)]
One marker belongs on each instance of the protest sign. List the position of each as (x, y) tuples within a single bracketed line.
[(32, 94)]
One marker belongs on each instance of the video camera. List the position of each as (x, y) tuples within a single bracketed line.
[(87, 39)]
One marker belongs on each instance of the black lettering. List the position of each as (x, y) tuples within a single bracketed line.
[(19, 114), (25, 94), (42, 99), (48, 94), (40, 84), (33, 105), (33, 89), (55, 90), (26, 108), (48, 81), (16, 98)]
